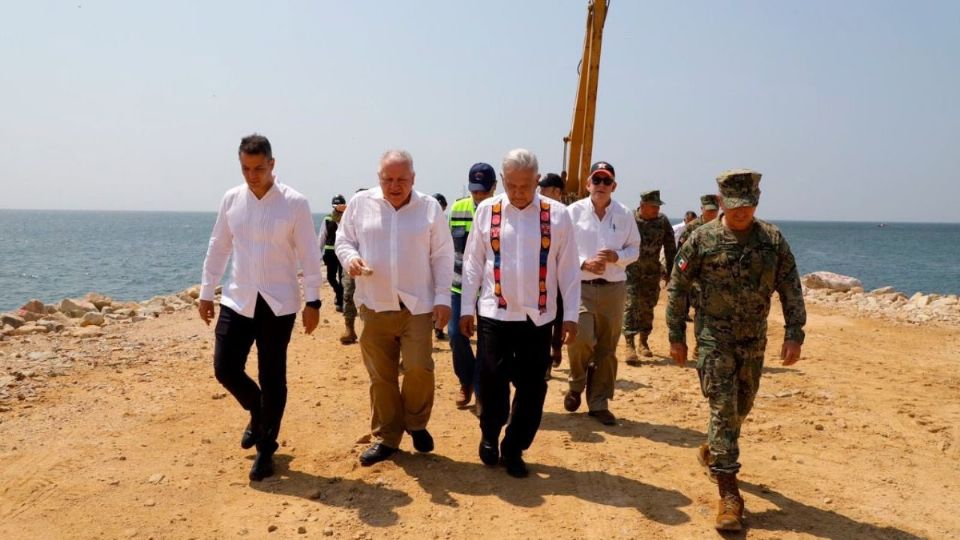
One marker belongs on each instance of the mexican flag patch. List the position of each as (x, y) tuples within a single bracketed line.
[(682, 263)]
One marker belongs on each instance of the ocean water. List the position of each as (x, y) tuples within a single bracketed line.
[(135, 255)]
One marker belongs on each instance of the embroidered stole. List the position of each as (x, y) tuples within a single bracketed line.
[(496, 218)]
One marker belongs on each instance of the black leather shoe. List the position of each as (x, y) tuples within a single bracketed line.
[(605, 417), (376, 453), (251, 435), (489, 453), (515, 467), (422, 441), (571, 401), (262, 466)]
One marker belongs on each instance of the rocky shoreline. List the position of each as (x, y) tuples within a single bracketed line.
[(85, 317), (846, 294), (40, 341)]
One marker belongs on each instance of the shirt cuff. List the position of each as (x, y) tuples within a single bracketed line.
[(207, 292), (442, 299), (310, 294)]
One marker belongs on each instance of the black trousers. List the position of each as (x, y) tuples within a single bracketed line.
[(235, 334), (334, 275), (518, 353)]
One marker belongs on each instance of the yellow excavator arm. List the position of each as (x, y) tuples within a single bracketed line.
[(578, 145)]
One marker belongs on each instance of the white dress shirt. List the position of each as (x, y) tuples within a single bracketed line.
[(677, 231), (268, 238), (410, 251), (520, 263), (616, 231)]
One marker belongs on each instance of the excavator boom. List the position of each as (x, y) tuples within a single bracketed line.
[(578, 145)]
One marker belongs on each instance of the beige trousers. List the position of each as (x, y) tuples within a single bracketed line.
[(593, 355), (395, 342)]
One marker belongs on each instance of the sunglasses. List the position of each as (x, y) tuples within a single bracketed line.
[(606, 180)]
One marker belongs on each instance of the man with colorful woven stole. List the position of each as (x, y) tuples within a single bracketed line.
[(520, 253)]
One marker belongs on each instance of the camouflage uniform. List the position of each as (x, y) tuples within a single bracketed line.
[(737, 278), (707, 202), (643, 276), (349, 307)]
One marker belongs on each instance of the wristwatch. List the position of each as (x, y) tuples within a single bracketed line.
[(315, 304)]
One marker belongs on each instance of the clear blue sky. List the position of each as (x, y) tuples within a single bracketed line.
[(850, 109)]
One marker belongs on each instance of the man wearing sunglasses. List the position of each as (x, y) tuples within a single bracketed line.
[(643, 276), (607, 241), (737, 262)]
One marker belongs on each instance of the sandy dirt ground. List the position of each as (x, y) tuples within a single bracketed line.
[(137, 439)]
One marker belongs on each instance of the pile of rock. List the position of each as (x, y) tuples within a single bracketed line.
[(84, 317), (846, 293)]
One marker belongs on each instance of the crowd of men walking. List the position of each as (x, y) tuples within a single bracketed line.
[(521, 272)]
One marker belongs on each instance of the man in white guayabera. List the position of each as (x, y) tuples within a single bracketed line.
[(520, 253), (267, 228), (396, 243), (607, 240)]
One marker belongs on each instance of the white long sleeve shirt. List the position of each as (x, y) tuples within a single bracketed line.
[(268, 238), (520, 241), (677, 231), (617, 231), (410, 251)]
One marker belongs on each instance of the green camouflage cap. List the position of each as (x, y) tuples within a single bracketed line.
[(651, 197), (709, 202), (739, 187)]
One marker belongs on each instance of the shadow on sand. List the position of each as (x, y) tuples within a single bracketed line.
[(375, 505), (443, 477), (795, 516), (583, 428)]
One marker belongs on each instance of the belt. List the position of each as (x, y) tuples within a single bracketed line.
[(598, 281)]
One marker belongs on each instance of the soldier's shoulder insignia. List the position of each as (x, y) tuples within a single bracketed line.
[(682, 263)]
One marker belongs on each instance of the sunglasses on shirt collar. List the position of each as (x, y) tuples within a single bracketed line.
[(605, 180)]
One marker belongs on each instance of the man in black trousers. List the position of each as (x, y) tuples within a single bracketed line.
[(268, 230), (520, 254)]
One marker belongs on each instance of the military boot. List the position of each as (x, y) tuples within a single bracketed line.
[(644, 348), (349, 334), (632, 359), (730, 506)]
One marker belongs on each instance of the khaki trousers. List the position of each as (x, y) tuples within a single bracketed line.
[(395, 342), (594, 352)]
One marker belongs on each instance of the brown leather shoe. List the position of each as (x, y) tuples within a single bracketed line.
[(703, 456), (571, 401), (730, 506), (463, 396), (605, 417)]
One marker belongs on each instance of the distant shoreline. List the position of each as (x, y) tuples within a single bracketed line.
[(213, 212)]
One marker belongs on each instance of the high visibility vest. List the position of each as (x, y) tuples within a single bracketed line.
[(461, 221), (331, 238)]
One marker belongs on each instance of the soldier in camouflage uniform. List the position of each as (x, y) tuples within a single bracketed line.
[(738, 262), (349, 336), (643, 276), (709, 208)]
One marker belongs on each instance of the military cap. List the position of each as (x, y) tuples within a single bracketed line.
[(739, 187), (651, 197), (338, 199), (709, 202)]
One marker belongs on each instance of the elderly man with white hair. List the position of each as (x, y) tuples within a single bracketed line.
[(396, 244), (520, 254)]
